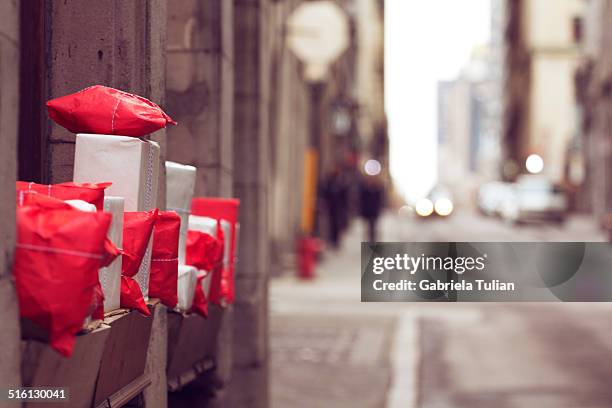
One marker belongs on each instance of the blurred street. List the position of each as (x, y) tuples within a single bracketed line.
[(329, 349), (468, 225)]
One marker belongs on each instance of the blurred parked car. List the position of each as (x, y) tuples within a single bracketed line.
[(534, 198), (439, 202), (492, 195)]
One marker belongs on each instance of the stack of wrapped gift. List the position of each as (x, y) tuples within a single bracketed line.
[(56, 264), (180, 184), (224, 210), (94, 194), (62, 280), (132, 165)]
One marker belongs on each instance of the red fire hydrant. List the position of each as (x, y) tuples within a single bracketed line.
[(308, 251)]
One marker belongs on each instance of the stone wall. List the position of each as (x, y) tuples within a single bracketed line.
[(249, 385), (221, 69), (9, 101), (200, 91), (114, 43), (199, 94), (109, 42)]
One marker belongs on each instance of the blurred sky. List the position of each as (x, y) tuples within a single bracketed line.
[(425, 41)]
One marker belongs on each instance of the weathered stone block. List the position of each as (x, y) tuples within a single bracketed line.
[(251, 330), (250, 387)]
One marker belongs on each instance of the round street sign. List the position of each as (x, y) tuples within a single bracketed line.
[(318, 33)]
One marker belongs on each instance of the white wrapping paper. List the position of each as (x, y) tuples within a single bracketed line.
[(85, 207), (206, 283), (110, 277), (144, 271), (187, 279), (132, 165), (227, 242), (81, 205), (203, 224), (236, 242), (180, 185)]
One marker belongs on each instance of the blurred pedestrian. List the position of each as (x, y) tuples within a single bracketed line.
[(371, 201), (335, 192)]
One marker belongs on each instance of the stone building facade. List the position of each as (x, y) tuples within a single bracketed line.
[(594, 104), (222, 70), (540, 63), (569, 54)]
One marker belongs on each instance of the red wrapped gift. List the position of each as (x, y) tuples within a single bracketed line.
[(32, 198), (164, 258), (221, 209), (107, 111), (200, 303), (137, 229), (56, 268), (203, 251), (92, 193)]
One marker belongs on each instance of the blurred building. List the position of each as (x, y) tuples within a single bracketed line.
[(347, 118), (371, 118), (246, 114), (595, 110), (469, 112), (542, 54), (456, 125)]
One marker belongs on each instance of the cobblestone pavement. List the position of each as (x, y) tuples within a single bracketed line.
[(330, 350)]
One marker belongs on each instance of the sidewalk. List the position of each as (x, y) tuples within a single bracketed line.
[(328, 349)]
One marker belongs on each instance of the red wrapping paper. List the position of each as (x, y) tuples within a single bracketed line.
[(108, 111), (137, 229), (56, 268), (164, 258), (92, 193), (200, 303), (205, 252), (32, 198), (218, 280)]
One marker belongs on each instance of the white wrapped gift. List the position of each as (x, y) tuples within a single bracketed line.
[(180, 185), (132, 165), (85, 207), (187, 279), (110, 276)]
